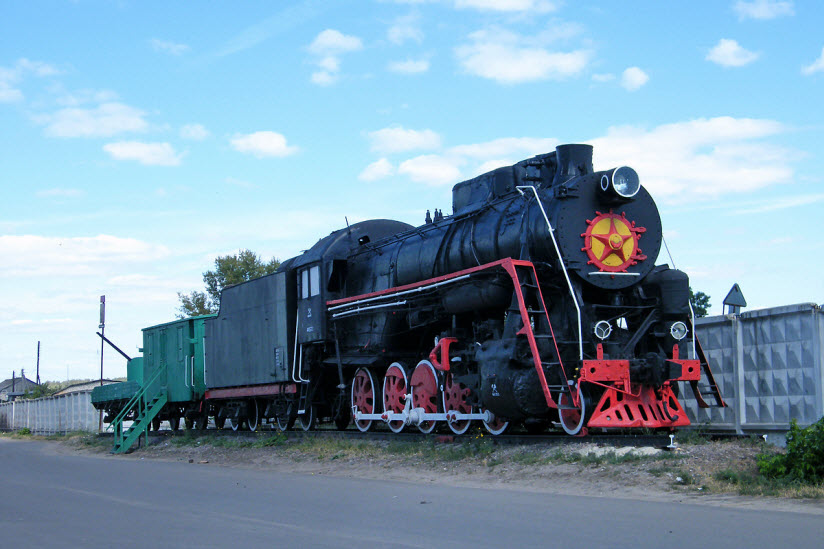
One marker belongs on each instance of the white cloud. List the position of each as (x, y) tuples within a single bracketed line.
[(40, 256), (333, 42), (148, 154), (511, 59), (728, 53), (534, 6), (698, 159), (84, 96), (763, 9), (38, 68), (8, 94), (329, 64), (379, 169), (431, 169), (105, 120), (263, 144), (815, 66), (165, 46), (22, 67), (410, 66), (633, 79), (405, 28), (398, 139), (328, 46), (195, 132), (324, 78), (520, 147), (445, 168), (780, 204)]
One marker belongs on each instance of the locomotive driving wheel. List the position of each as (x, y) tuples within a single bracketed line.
[(454, 400), (363, 397), (395, 387), (573, 418), (424, 388), (497, 426)]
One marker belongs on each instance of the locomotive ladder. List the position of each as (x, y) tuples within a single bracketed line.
[(712, 388), (146, 403), (537, 327)]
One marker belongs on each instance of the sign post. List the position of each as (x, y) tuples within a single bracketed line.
[(102, 327)]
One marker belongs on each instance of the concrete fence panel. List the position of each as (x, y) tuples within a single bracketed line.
[(51, 415), (768, 365)]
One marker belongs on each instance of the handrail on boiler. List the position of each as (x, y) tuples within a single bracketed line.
[(563, 267)]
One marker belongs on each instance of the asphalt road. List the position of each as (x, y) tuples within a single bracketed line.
[(52, 500)]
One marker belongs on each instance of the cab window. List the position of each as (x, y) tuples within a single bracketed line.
[(310, 282)]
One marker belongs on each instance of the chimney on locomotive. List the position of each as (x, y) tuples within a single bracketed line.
[(572, 161)]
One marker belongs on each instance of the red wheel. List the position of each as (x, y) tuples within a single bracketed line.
[(497, 426), (454, 400), (395, 385), (363, 397), (424, 390), (572, 417)]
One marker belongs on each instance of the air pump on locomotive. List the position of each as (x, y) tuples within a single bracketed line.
[(536, 301)]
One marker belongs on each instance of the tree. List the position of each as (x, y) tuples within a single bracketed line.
[(700, 303), (229, 270)]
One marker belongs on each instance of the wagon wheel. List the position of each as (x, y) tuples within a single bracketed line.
[(156, 424), (363, 396), (424, 389), (252, 415), (174, 422), (573, 418), (188, 423), (236, 423), (220, 422), (454, 400), (202, 422), (395, 387)]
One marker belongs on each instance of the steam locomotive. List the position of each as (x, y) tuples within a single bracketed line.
[(536, 302)]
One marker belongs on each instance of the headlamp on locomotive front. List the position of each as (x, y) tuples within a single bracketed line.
[(678, 330), (620, 184)]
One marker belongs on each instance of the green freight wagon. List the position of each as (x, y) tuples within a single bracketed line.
[(169, 375)]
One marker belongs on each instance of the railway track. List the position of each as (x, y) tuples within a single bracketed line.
[(656, 440)]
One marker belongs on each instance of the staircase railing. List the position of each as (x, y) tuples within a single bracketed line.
[(146, 403)]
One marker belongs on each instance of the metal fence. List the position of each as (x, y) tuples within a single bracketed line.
[(51, 415), (768, 365)]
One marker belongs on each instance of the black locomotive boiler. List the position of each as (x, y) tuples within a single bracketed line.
[(536, 301)]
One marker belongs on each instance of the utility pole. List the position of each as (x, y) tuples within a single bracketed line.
[(102, 327), (38, 363)]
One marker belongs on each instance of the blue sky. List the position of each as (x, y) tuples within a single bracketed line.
[(139, 140)]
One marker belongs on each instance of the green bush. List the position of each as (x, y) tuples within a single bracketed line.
[(24, 431), (804, 459)]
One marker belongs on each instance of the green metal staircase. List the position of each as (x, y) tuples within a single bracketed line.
[(147, 403)]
